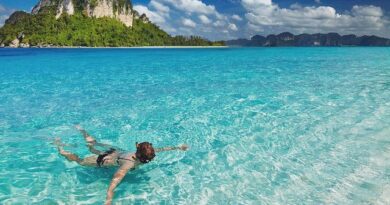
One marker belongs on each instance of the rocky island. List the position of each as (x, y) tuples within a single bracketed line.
[(308, 40), (88, 23)]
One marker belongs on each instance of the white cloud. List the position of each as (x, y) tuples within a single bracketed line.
[(219, 23), (159, 7), (2, 9), (256, 3), (195, 17), (188, 22), (4, 14), (190, 17), (152, 15), (265, 15), (318, 1), (296, 6), (367, 11), (236, 17), (204, 19), (192, 6), (233, 27)]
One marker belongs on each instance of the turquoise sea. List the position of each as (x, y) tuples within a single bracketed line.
[(265, 125)]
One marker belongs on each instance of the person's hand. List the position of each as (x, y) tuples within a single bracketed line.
[(108, 202), (57, 141), (184, 147)]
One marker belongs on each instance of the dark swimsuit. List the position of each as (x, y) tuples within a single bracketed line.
[(101, 158)]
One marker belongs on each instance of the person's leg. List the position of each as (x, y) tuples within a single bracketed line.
[(91, 142), (88, 161), (88, 138), (69, 156)]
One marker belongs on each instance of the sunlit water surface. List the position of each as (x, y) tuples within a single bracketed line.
[(265, 126)]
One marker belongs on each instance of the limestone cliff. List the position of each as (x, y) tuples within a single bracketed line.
[(66, 6), (118, 9), (112, 8)]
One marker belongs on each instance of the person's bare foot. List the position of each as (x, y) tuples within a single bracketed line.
[(184, 147), (57, 142)]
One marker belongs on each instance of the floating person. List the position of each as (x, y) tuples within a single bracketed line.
[(114, 157)]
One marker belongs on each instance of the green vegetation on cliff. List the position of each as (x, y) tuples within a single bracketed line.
[(80, 30)]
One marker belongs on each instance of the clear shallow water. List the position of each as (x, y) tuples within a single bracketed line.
[(265, 126)]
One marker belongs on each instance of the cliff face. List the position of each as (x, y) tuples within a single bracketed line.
[(118, 9), (66, 6), (112, 8)]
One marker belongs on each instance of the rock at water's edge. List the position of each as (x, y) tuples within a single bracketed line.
[(14, 43)]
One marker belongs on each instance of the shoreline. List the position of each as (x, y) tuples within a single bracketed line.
[(184, 47), (121, 47)]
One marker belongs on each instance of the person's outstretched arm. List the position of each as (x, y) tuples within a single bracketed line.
[(183, 147), (116, 180)]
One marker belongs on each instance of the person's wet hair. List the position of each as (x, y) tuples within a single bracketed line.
[(145, 152)]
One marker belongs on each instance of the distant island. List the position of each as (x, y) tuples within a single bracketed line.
[(88, 23), (302, 40)]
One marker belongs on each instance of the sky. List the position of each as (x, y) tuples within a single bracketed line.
[(230, 19)]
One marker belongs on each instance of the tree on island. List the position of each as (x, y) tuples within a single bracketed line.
[(46, 26)]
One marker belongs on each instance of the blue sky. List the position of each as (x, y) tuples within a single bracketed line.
[(227, 19)]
